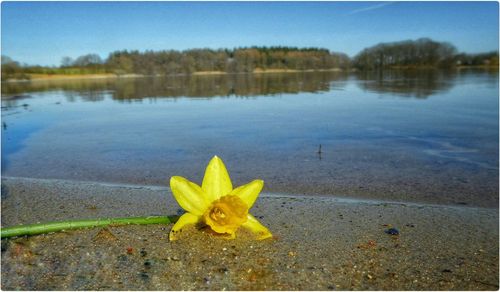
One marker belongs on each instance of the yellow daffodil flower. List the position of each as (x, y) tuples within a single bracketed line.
[(216, 203)]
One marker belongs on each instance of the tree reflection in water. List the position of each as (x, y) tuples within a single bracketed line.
[(418, 84)]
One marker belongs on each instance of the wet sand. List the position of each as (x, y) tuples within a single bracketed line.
[(320, 243)]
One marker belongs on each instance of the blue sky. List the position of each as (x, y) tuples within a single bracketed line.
[(43, 32)]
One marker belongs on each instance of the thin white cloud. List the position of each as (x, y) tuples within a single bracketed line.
[(369, 8)]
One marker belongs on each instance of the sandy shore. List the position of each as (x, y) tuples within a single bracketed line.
[(66, 77), (321, 243)]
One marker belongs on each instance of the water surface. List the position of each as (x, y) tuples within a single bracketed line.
[(426, 136)]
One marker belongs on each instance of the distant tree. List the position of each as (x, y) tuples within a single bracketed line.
[(66, 62), (7, 60), (187, 64), (483, 59), (12, 69), (88, 60), (421, 52), (120, 63)]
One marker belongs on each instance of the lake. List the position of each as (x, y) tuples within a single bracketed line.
[(416, 136)]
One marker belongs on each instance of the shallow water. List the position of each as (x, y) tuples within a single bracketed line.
[(426, 136)]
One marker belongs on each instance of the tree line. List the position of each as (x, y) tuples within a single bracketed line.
[(406, 54), (419, 53), (240, 60)]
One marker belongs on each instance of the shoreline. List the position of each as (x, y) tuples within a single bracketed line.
[(319, 243), (65, 77), (266, 194), (258, 71)]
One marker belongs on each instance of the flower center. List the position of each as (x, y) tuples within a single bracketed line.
[(226, 214)]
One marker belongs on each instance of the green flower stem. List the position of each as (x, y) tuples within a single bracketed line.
[(40, 228)]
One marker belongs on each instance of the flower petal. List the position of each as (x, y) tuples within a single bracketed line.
[(254, 225), (184, 220), (189, 195), (216, 182), (248, 193)]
